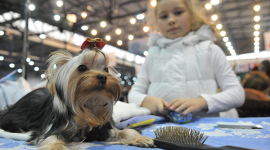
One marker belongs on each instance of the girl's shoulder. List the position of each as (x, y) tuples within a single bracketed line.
[(209, 45)]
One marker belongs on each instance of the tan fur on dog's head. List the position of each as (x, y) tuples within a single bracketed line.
[(81, 91)]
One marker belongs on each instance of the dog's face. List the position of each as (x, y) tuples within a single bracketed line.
[(84, 84)]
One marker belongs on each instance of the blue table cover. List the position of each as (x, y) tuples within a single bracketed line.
[(248, 138)]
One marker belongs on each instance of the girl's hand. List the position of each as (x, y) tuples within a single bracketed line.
[(191, 105), (156, 105)]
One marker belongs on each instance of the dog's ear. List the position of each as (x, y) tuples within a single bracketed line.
[(59, 58), (56, 60)]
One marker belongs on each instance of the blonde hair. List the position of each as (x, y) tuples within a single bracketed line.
[(193, 6)]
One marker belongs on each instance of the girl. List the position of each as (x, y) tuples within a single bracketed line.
[(184, 68)]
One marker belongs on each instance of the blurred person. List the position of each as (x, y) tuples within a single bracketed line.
[(184, 68), (265, 66), (257, 104)]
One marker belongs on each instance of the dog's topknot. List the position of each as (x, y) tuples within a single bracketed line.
[(93, 43)]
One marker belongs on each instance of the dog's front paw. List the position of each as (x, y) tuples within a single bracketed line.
[(143, 141), (132, 137)]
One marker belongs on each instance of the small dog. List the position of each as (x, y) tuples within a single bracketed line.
[(76, 105)]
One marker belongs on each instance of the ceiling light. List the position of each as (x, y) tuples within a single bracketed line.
[(19, 70), (84, 15), (256, 39), (84, 27), (2, 32), (256, 43), (36, 68), (57, 17), (219, 26), (256, 33), (233, 53), (72, 18), (59, 3), (256, 47), (140, 16), (208, 6), (42, 36), (103, 24), (222, 33), (214, 17), (257, 18), (28, 59), (119, 42), (118, 31), (90, 8), (130, 37), (108, 38), (132, 20), (257, 26), (225, 39), (42, 75), (31, 63), (11, 65), (257, 7), (230, 48), (145, 53), (2, 58), (214, 2), (228, 44), (153, 3), (31, 7), (145, 28), (118, 74), (94, 32)]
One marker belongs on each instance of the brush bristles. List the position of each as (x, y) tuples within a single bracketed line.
[(180, 135)]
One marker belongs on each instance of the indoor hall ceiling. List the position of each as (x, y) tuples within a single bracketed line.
[(236, 16)]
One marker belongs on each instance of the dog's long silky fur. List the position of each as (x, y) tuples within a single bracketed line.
[(76, 105)]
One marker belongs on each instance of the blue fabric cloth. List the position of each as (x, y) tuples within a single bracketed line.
[(248, 138)]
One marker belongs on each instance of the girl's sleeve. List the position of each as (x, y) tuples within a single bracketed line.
[(232, 94), (139, 90)]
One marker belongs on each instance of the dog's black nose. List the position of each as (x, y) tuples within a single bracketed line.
[(102, 78)]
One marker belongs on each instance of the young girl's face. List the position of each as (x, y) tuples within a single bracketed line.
[(173, 18)]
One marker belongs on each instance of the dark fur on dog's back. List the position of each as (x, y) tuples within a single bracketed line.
[(30, 112), (34, 112)]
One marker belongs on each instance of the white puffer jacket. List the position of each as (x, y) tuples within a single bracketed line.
[(188, 67)]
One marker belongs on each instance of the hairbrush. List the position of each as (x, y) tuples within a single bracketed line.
[(182, 138)]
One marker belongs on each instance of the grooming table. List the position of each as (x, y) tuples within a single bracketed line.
[(248, 138)]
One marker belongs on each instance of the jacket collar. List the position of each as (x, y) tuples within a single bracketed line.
[(193, 37)]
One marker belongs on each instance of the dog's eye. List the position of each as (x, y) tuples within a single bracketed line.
[(106, 69), (82, 68)]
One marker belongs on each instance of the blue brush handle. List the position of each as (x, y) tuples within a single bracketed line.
[(178, 117)]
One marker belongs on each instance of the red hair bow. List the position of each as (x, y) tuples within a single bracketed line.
[(97, 43)]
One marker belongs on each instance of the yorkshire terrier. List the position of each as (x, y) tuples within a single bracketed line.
[(76, 105)]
